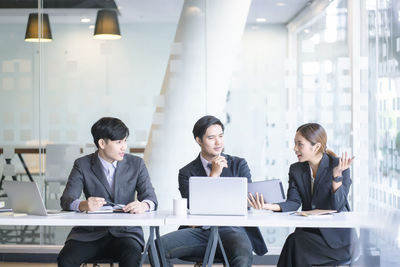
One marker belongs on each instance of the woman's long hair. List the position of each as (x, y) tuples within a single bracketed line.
[(315, 133)]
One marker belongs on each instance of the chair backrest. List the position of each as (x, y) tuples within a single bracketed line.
[(8, 169), (59, 161), (8, 152)]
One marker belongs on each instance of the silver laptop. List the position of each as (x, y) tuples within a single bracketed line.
[(25, 197), (218, 196)]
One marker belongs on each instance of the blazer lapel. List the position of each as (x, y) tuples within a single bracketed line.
[(97, 168), (321, 173), (198, 167), (306, 176), (119, 178)]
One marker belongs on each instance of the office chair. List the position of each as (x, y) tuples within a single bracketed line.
[(59, 161), (97, 261)]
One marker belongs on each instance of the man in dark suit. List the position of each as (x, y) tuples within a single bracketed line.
[(107, 176), (238, 242)]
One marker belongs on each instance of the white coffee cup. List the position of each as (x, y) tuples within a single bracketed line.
[(180, 207)]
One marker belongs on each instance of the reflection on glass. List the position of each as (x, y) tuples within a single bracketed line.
[(384, 34), (324, 75)]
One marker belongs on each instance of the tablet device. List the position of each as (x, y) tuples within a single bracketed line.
[(272, 190)]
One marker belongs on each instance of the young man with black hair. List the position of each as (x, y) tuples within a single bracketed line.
[(191, 242), (107, 176)]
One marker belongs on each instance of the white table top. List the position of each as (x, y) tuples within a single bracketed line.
[(279, 219), (82, 219), (161, 218)]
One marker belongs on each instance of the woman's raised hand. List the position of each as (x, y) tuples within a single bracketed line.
[(344, 164)]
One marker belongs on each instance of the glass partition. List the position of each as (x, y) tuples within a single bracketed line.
[(170, 63), (324, 79), (383, 33), (52, 92), (19, 122)]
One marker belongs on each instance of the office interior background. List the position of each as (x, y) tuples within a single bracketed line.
[(263, 67)]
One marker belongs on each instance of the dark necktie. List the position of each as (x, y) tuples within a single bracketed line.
[(209, 165)]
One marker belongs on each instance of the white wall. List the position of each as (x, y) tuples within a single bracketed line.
[(257, 104)]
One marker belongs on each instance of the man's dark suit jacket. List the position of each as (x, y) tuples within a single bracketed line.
[(237, 167), (87, 175), (299, 193)]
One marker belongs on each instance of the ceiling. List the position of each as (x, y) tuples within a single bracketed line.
[(275, 11), (139, 11)]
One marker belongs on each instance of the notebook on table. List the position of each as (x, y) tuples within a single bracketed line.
[(107, 209), (315, 212), (218, 196)]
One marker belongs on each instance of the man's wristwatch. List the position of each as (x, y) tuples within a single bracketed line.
[(338, 179)]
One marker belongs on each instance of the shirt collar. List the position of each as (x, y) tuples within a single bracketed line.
[(107, 165), (204, 162), (311, 173)]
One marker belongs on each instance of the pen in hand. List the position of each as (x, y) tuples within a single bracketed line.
[(116, 205)]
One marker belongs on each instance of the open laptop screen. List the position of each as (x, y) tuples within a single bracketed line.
[(218, 196), (25, 197)]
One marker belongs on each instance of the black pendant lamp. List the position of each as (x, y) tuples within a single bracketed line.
[(107, 26), (32, 29)]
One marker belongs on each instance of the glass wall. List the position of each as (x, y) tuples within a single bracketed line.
[(347, 79), (52, 92), (383, 23), (346, 66), (323, 75), (175, 61), (19, 121)]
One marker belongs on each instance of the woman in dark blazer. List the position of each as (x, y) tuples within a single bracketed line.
[(319, 180)]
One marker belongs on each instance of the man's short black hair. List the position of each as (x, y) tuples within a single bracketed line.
[(201, 126), (109, 128)]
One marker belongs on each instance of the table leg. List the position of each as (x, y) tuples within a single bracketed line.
[(150, 243), (1, 183), (25, 167), (160, 248), (223, 252), (213, 241)]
